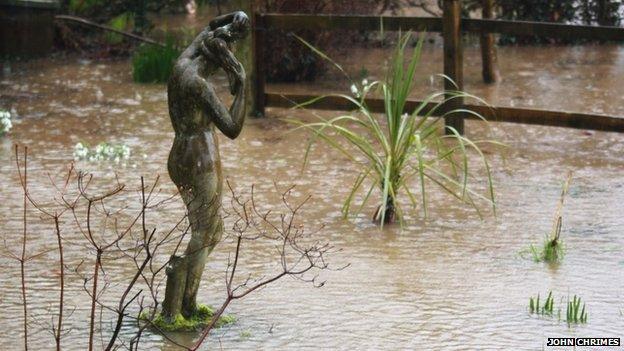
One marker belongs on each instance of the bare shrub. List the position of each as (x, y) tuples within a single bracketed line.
[(114, 231)]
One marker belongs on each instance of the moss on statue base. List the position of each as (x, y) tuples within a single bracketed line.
[(199, 320)]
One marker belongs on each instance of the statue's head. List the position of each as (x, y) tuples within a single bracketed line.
[(231, 32), (215, 40)]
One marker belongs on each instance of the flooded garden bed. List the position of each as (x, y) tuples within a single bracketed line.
[(451, 281)]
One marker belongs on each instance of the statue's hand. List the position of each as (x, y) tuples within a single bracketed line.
[(240, 20), (219, 49)]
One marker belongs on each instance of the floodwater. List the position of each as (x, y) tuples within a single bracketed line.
[(562, 78), (451, 282)]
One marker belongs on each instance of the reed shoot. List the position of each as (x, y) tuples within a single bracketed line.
[(575, 309), (576, 313), (545, 309), (552, 249)]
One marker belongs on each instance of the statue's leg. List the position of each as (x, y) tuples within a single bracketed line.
[(203, 201), (174, 293)]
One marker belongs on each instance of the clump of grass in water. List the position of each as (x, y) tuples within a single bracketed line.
[(406, 144), (575, 313), (153, 64), (545, 309), (552, 249)]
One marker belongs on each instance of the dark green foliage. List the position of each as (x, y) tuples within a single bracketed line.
[(603, 12), (153, 64), (79, 6), (535, 10)]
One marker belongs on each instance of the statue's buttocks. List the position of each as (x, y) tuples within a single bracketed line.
[(193, 155)]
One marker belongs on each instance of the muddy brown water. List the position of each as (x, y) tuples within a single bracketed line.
[(567, 78), (450, 282)]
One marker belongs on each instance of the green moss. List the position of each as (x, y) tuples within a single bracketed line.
[(199, 320)]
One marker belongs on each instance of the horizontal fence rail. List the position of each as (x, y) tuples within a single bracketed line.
[(434, 24), (498, 114), (543, 29)]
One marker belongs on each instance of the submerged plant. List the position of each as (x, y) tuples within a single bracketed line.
[(5, 122), (546, 308), (575, 313), (405, 143), (102, 152), (552, 249), (153, 64)]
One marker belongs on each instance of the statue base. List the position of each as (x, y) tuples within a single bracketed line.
[(198, 321)]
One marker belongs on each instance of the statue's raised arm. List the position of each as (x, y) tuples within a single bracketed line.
[(239, 18), (194, 162)]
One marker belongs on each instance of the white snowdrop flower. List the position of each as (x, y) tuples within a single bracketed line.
[(5, 122), (103, 152), (5, 125), (354, 90), (364, 82)]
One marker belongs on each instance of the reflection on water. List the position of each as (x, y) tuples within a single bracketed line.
[(449, 282)]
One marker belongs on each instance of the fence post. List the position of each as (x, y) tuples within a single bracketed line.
[(453, 61), (259, 29), (488, 50)]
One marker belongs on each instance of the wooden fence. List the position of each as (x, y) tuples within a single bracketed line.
[(451, 25)]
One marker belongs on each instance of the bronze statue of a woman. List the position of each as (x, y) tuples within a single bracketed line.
[(194, 164)]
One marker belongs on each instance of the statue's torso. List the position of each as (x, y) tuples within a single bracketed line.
[(195, 150)]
